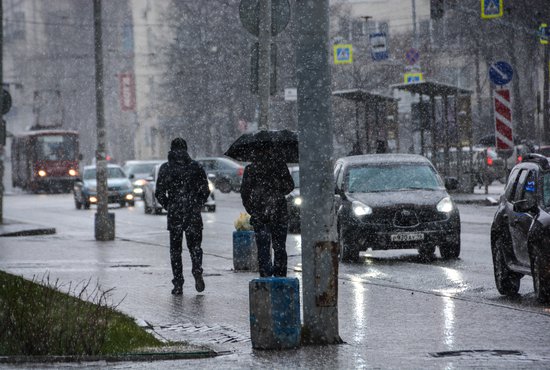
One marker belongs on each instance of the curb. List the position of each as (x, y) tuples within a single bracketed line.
[(130, 357), (28, 232)]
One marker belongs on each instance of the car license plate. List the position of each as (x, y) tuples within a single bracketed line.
[(406, 237)]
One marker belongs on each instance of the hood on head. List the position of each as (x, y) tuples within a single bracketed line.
[(179, 156)]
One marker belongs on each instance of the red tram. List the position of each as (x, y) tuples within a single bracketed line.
[(45, 160)]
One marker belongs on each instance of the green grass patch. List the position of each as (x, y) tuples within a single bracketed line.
[(36, 318)]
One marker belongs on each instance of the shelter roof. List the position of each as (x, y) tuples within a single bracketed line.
[(362, 95), (431, 88)]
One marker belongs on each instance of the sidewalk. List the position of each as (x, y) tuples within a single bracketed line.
[(479, 197)]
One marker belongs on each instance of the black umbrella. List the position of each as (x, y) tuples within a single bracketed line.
[(276, 144)]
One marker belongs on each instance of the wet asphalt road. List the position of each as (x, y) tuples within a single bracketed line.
[(395, 311)]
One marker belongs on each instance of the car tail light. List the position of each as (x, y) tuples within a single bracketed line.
[(240, 171), (520, 158), (489, 161)]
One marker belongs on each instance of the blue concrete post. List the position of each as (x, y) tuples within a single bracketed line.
[(275, 313)]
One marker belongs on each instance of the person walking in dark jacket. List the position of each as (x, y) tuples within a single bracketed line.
[(264, 186), (182, 189)]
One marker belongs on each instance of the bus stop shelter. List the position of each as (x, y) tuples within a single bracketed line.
[(380, 123), (451, 144)]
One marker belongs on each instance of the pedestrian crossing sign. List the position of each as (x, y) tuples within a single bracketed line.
[(491, 9), (411, 78), (343, 54)]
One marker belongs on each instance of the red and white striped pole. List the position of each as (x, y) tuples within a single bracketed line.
[(503, 120)]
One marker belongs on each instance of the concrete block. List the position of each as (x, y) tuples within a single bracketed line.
[(275, 313)]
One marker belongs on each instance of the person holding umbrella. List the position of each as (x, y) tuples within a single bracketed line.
[(182, 189), (266, 182)]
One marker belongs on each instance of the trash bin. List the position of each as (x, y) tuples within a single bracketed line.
[(245, 252), (275, 313)]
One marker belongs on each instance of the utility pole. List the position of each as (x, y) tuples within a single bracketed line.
[(264, 40), (2, 147), (104, 221), (319, 252), (546, 96)]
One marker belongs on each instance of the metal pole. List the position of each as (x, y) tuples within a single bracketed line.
[(546, 96), (2, 148), (264, 63), (104, 222), (319, 252), (415, 37)]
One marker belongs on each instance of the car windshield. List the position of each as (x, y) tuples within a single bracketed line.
[(139, 168), (394, 177), (112, 173)]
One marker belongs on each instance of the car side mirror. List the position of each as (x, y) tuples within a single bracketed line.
[(80, 157), (451, 183), (528, 204), (131, 177)]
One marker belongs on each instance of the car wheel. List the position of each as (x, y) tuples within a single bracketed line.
[(211, 208), (122, 203), (507, 281), (158, 211), (77, 204), (146, 208), (348, 251), (86, 205), (451, 250), (540, 270), (131, 203), (426, 252), (224, 186)]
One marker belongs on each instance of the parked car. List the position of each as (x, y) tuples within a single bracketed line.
[(294, 202), (394, 201), (137, 171), (151, 204), (119, 188), (521, 229), (227, 173), (488, 166)]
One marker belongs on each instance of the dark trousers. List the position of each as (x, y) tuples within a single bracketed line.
[(193, 237), (268, 235)]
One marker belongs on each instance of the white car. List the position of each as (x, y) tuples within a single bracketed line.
[(151, 204)]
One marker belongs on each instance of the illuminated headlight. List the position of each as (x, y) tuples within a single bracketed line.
[(129, 197), (138, 190), (72, 172), (445, 205), (93, 200), (140, 182), (360, 209), (298, 201), (41, 173), (210, 186)]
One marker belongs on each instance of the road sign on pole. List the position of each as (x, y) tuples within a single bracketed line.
[(379, 50), (544, 33), (503, 120), (501, 73), (343, 54), (491, 9), (412, 56), (413, 77)]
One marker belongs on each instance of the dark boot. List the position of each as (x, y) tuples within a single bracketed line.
[(199, 283)]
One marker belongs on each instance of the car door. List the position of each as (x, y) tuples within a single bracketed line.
[(338, 186), (520, 222)]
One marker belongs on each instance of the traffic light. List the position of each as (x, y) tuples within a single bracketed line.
[(437, 9)]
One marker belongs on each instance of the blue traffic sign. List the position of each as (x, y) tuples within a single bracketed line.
[(500, 73), (491, 9)]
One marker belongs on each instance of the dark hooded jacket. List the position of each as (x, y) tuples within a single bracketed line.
[(182, 189), (263, 191)]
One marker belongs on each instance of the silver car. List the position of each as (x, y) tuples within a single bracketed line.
[(226, 173), (151, 204)]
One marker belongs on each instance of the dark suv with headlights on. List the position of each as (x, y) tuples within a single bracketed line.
[(520, 233), (394, 201)]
